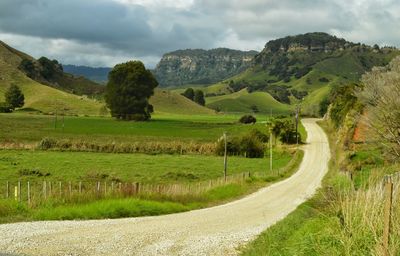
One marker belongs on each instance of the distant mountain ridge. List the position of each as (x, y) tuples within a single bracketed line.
[(303, 68), (197, 66), (99, 75)]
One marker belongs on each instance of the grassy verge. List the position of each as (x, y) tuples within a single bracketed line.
[(345, 217), (142, 205)]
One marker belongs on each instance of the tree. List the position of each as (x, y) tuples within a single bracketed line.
[(189, 93), (199, 97), (14, 97), (381, 98), (254, 108), (28, 67), (128, 90), (49, 68), (247, 119)]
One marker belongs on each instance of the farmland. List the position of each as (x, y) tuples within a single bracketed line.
[(205, 128), (197, 174)]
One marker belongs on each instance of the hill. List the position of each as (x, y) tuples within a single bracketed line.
[(305, 68), (243, 101), (165, 101), (48, 99), (38, 96), (99, 75), (197, 66)]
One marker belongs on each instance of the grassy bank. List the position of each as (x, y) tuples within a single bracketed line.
[(345, 217)]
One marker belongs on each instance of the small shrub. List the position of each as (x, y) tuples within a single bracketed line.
[(262, 137), (47, 143), (249, 145), (33, 172), (323, 80), (248, 119), (5, 108)]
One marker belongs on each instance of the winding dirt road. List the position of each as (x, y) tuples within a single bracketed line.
[(213, 231)]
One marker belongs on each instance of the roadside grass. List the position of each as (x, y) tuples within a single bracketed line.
[(345, 217), (89, 207)]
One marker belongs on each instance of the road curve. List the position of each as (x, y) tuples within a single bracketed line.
[(213, 231)]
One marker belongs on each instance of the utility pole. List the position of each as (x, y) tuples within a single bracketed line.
[(63, 119), (297, 123), (270, 141), (55, 118), (225, 156)]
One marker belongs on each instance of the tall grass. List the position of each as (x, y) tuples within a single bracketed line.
[(361, 215), (148, 147)]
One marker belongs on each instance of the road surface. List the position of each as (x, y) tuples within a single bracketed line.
[(217, 230)]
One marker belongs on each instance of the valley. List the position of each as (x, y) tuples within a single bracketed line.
[(240, 152)]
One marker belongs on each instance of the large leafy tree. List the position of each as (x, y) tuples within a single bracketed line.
[(381, 97), (14, 97), (129, 88), (189, 93), (199, 97)]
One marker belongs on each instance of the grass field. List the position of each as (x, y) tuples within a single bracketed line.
[(205, 128), (154, 169), (242, 101), (86, 166)]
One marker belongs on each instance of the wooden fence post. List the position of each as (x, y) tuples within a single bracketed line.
[(70, 188), (29, 193), (19, 192), (7, 190), (16, 193), (44, 189), (387, 212), (60, 188), (80, 187), (137, 187), (225, 156), (50, 189)]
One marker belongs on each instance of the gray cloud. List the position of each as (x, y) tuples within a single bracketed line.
[(105, 32)]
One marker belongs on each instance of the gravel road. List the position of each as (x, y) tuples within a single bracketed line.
[(218, 230)]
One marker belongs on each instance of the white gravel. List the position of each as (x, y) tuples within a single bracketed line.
[(218, 230)]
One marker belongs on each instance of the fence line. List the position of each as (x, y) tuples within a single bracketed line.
[(34, 192)]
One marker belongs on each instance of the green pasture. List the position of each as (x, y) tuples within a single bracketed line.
[(32, 128), (86, 166)]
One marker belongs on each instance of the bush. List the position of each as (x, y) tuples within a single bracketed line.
[(5, 108), (250, 145), (289, 137), (47, 143), (248, 119), (264, 138)]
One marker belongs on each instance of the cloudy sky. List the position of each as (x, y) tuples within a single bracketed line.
[(106, 32)]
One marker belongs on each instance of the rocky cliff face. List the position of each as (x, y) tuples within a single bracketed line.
[(201, 66)]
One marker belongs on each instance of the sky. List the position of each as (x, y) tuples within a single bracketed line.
[(106, 32)]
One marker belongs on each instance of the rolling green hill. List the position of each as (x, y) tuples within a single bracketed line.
[(165, 101), (243, 101), (48, 99), (303, 68)]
